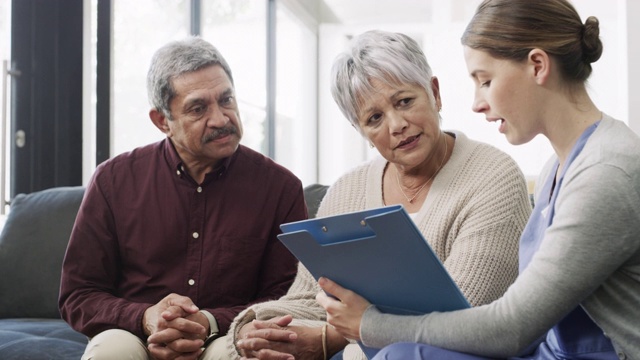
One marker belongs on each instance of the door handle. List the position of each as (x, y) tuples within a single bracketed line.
[(21, 138), (6, 72)]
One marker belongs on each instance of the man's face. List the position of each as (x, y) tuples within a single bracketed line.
[(206, 126)]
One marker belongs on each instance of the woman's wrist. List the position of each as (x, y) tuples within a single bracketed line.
[(334, 341), (324, 342)]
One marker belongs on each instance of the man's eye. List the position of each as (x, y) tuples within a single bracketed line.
[(198, 109), (227, 100)]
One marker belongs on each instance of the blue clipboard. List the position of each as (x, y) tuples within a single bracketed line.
[(381, 255)]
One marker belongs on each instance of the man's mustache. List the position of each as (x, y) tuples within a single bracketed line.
[(218, 133)]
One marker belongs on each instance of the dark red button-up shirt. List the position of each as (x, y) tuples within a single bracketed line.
[(146, 229)]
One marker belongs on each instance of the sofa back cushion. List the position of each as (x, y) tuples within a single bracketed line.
[(313, 195), (32, 246)]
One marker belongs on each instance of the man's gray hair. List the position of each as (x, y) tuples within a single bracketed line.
[(177, 58), (384, 56)]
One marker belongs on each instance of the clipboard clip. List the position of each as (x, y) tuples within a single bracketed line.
[(324, 228)]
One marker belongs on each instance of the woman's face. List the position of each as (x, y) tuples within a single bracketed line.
[(401, 121), (505, 92)]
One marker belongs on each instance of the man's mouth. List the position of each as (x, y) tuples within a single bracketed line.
[(219, 133)]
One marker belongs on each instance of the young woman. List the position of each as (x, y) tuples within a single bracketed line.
[(579, 285)]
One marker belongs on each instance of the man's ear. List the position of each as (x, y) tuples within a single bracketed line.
[(160, 121), (540, 64)]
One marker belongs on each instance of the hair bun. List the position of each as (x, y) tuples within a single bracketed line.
[(591, 44)]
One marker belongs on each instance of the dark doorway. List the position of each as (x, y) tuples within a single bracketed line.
[(46, 109)]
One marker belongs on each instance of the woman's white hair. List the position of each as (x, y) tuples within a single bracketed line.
[(384, 56)]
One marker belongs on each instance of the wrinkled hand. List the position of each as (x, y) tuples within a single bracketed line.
[(274, 339), (176, 329), (345, 314)]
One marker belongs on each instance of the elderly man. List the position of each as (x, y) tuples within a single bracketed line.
[(175, 238)]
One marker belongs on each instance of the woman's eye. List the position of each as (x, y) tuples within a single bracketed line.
[(485, 83), (373, 119), (405, 102)]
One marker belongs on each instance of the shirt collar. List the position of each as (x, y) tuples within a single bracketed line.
[(177, 165)]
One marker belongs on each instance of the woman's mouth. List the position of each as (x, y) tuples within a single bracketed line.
[(501, 128), (500, 121), (408, 141)]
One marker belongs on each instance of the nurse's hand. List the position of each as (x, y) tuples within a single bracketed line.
[(344, 310)]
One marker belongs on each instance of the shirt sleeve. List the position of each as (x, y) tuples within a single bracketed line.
[(573, 260), (90, 270)]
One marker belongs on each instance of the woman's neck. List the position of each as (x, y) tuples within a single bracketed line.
[(565, 121), (410, 187)]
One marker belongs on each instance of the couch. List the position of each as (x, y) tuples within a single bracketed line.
[(32, 246)]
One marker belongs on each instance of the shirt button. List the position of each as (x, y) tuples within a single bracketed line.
[(178, 172), (191, 281), (195, 235), (199, 189)]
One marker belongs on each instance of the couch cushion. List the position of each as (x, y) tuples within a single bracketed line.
[(32, 246), (39, 339)]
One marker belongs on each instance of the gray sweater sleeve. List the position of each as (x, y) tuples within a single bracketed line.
[(594, 232)]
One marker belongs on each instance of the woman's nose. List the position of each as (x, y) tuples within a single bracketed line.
[(479, 104), (397, 122)]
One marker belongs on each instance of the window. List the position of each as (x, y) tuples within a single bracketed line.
[(238, 29), (139, 28), (296, 92)]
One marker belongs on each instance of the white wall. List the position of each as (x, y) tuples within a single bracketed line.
[(630, 23)]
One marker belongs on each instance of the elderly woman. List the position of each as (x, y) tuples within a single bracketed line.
[(468, 199)]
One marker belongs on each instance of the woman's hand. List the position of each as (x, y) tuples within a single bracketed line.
[(345, 313), (277, 339)]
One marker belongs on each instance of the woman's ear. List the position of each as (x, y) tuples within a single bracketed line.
[(435, 88), (160, 121), (540, 64)]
